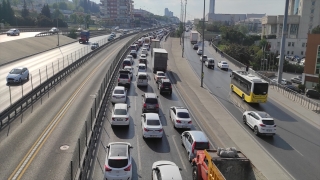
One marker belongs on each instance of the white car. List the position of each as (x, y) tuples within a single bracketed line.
[(118, 163), (17, 75), (180, 117), (203, 58), (275, 81), (223, 65), (159, 75), (199, 51), (163, 170), (143, 56), (54, 30), (144, 51), (261, 122), (142, 79), (130, 57), (130, 69), (142, 68), (151, 125), (13, 32), (119, 95), (120, 115)]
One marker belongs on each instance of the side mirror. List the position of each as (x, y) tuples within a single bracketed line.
[(180, 169), (142, 95), (128, 106), (230, 75), (131, 147), (108, 146)]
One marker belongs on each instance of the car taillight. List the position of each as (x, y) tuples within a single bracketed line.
[(274, 125), (112, 119), (144, 105), (190, 122), (193, 146), (129, 80), (170, 86), (122, 96), (157, 105), (114, 96), (128, 168), (161, 85), (145, 129), (160, 130), (127, 119), (262, 125), (118, 79), (178, 121), (106, 168)]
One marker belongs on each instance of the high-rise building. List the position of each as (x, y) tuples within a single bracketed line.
[(116, 12), (211, 6), (166, 12)]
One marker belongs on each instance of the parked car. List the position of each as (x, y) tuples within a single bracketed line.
[(296, 80), (223, 65), (151, 125), (193, 141), (119, 95), (94, 46), (150, 103), (180, 117), (120, 115), (133, 53), (164, 85), (275, 81), (195, 46), (13, 32), (159, 75), (199, 51), (165, 170), (312, 93), (142, 79), (209, 63), (118, 163), (261, 122), (17, 75), (294, 88)]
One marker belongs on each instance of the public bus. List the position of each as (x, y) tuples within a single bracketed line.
[(249, 87)]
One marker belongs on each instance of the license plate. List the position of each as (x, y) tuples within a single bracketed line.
[(269, 130), (166, 88), (150, 107), (184, 126), (119, 119), (140, 80)]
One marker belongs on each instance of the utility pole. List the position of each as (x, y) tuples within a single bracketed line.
[(181, 17), (184, 25), (283, 42), (58, 24), (204, 9)]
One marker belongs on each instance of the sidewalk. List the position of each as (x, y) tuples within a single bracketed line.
[(292, 106), (221, 127)]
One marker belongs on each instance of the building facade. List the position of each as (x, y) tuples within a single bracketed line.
[(303, 16), (168, 13), (312, 61), (117, 12)]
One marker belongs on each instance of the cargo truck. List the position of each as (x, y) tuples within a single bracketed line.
[(84, 37), (209, 165), (155, 43), (159, 60), (194, 37)]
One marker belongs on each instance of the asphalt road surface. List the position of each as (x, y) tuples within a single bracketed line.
[(296, 144)]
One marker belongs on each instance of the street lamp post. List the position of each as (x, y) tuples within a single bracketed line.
[(283, 41), (204, 8), (58, 23)]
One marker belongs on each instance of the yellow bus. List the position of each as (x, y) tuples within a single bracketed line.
[(249, 87)]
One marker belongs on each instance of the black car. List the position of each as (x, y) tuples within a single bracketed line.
[(164, 85), (312, 93), (133, 53), (294, 88), (195, 47)]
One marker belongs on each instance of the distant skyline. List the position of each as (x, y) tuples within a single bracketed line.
[(195, 7)]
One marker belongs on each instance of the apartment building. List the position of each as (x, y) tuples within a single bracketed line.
[(312, 61), (303, 16), (117, 12)]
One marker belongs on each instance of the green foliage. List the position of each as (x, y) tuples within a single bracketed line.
[(72, 34), (263, 43), (316, 30), (57, 14), (293, 68), (43, 21), (302, 87), (45, 11), (239, 52), (7, 13), (25, 11)]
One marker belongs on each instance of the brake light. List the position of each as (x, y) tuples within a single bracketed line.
[(161, 85), (144, 105), (157, 105), (190, 122), (127, 119), (193, 146), (160, 130), (262, 125), (113, 119), (106, 168), (128, 168), (170, 86), (129, 80), (145, 129), (274, 125), (118, 79), (178, 121)]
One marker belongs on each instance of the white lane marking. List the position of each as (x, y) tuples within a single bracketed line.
[(135, 103), (297, 151), (139, 159), (175, 144)]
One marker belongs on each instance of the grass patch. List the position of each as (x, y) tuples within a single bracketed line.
[(222, 47)]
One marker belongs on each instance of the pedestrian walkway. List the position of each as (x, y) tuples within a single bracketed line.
[(222, 127), (276, 96)]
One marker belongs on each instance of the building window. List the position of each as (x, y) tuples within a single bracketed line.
[(291, 52), (303, 44), (301, 52), (311, 18), (313, 3), (288, 52), (292, 44), (289, 44), (312, 10), (278, 44)]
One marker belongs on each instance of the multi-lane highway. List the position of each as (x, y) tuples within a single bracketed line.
[(5, 38), (297, 142)]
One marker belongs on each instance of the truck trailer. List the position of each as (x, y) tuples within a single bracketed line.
[(194, 37), (159, 60), (233, 165), (155, 43)]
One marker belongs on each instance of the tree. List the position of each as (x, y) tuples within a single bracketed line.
[(316, 30), (46, 11), (57, 14), (63, 5), (24, 12), (243, 29), (44, 21), (10, 13), (74, 18)]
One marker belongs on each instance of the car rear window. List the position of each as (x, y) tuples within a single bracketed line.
[(118, 163), (161, 74), (127, 62), (152, 101), (202, 145), (142, 67), (268, 122), (211, 61), (166, 84), (224, 63), (153, 122), (142, 77), (120, 111), (183, 115), (123, 76), (118, 91)]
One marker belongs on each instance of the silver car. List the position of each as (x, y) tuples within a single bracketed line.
[(13, 32), (17, 75)]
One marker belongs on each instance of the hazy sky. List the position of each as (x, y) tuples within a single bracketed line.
[(195, 7)]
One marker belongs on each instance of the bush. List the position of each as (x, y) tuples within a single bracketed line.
[(302, 87), (72, 34)]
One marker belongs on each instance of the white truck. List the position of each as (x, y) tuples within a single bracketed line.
[(193, 37), (155, 43), (159, 59)]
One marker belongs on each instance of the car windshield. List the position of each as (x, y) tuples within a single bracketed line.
[(201, 145), (153, 122), (224, 63), (16, 71), (12, 30), (161, 74), (118, 163), (166, 84), (152, 101), (260, 88), (120, 112), (127, 62), (183, 115), (142, 67), (118, 91), (268, 122)]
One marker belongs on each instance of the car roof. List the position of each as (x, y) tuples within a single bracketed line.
[(182, 109), (142, 73), (141, 64), (160, 72), (127, 67), (263, 114), (127, 60), (120, 106), (133, 51), (198, 136), (129, 55), (119, 88), (119, 150), (170, 172), (152, 116), (19, 67), (210, 59), (165, 80), (150, 95)]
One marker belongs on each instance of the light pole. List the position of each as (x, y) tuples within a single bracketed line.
[(16, 20), (202, 74), (184, 25), (58, 23), (283, 42)]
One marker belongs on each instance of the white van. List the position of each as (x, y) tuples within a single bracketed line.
[(142, 68), (142, 79)]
